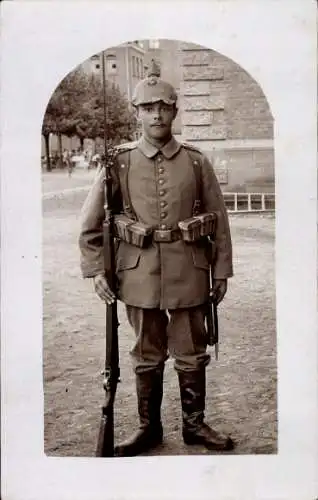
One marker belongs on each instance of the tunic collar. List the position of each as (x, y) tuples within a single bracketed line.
[(168, 150)]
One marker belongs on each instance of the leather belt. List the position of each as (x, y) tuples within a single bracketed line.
[(166, 235)]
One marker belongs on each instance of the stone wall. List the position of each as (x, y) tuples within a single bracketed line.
[(225, 113), (244, 170)]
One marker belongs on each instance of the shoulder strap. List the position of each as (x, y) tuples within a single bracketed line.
[(195, 156), (121, 148), (123, 162)]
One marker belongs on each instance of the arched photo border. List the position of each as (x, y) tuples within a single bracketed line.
[(275, 43)]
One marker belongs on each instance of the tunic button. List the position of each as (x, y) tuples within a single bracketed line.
[(163, 203), (163, 215), (159, 159), (163, 226), (161, 192), (161, 170), (161, 181)]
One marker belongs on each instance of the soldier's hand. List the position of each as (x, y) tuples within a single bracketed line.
[(103, 290), (218, 291)]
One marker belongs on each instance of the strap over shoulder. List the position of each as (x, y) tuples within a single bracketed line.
[(196, 157), (127, 146), (186, 145), (122, 166)]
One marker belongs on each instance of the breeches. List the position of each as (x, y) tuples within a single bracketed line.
[(182, 335)]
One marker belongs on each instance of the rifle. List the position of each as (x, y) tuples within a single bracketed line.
[(105, 444)]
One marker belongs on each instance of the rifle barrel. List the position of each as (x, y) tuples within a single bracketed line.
[(104, 102)]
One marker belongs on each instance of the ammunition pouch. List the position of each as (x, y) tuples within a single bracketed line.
[(133, 232), (197, 227)]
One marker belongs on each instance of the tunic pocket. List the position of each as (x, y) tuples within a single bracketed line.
[(127, 257), (199, 257)]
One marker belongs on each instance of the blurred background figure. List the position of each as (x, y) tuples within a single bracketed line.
[(96, 159)]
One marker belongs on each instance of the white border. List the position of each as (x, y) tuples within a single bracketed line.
[(275, 41)]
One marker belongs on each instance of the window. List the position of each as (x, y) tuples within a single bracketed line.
[(249, 202), (154, 44), (137, 135), (95, 61), (140, 69), (133, 66), (111, 65)]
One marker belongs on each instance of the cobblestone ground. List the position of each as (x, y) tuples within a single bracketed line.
[(241, 392)]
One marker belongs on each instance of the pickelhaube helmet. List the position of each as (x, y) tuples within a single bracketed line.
[(153, 88)]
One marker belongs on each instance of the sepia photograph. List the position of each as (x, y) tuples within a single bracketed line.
[(159, 250), (182, 137)]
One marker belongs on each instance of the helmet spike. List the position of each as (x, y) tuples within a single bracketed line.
[(153, 88), (154, 69)]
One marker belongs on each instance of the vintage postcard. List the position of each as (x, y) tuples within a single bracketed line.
[(159, 250)]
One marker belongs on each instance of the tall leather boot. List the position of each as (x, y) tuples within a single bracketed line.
[(149, 387), (194, 429)]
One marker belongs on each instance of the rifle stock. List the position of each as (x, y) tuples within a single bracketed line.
[(105, 442)]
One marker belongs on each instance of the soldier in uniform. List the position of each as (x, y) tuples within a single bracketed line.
[(158, 182)]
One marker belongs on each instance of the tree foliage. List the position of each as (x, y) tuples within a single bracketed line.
[(76, 109)]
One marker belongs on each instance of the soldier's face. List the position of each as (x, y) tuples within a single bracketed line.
[(156, 119)]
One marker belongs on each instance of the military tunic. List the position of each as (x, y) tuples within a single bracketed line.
[(162, 188)]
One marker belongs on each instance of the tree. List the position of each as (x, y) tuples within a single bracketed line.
[(120, 119), (59, 114), (76, 109)]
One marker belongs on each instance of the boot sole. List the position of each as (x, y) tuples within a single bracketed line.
[(131, 451), (191, 440)]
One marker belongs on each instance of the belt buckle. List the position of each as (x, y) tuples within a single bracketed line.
[(163, 235)]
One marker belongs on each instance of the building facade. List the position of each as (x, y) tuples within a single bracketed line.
[(124, 66)]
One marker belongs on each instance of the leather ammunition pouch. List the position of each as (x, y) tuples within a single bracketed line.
[(198, 226), (133, 232)]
